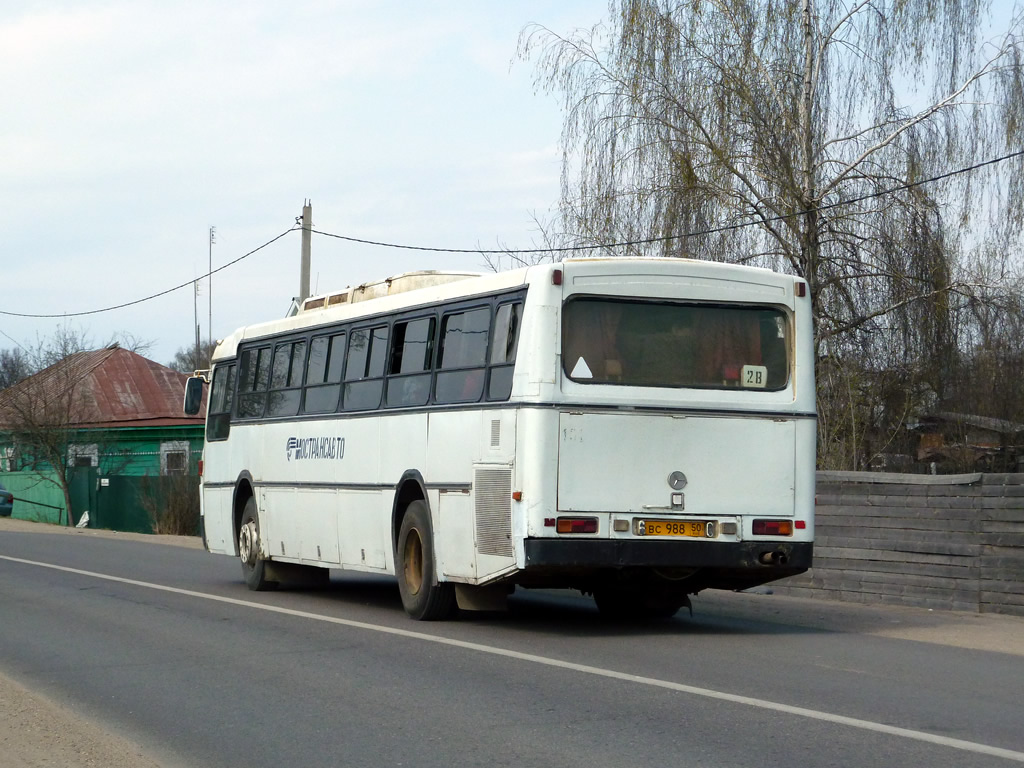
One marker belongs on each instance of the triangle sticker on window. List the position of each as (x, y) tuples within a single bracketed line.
[(582, 370)]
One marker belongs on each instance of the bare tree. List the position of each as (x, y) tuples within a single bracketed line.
[(186, 361), (38, 415), (131, 342), (796, 134), (172, 502), (985, 377), (14, 366)]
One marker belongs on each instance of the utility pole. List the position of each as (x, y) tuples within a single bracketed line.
[(195, 314), (307, 224), (209, 328)]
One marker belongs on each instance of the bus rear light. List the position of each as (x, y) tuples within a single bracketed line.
[(200, 467), (728, 529), (576, 525), (801, 525), (801, 288), (556, 277), (773, 528), (549, 522), (517, 495)]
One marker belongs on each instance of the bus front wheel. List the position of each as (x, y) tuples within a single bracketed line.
[(423, 597), (253, 566)]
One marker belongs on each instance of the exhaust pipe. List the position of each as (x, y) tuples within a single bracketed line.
[(773, 558)]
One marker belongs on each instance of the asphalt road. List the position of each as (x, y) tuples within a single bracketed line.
[(165, 646)]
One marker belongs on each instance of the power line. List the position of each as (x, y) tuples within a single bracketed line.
[(562, 249), (155, 295), (667, 238), (11, 338)]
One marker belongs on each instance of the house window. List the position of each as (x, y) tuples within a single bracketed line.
[(177, 463), (84, 455), (174, 457)]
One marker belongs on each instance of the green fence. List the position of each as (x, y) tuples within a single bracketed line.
[(36, 496), (163, 504), (113, 502)]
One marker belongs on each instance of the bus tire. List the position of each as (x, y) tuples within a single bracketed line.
[(423, 596), (253, 566)]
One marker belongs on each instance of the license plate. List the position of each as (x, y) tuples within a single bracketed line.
[(699, 529)]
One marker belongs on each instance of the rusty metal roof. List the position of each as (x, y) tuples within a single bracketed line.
[(111, 387)]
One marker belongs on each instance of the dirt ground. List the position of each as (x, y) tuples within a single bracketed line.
[(36, 732)]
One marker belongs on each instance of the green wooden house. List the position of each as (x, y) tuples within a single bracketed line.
[(112, 417)]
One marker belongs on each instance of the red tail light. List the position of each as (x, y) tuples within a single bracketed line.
[(773, 528), (200, 467), (576, 525)]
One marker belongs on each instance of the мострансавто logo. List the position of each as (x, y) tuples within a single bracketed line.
[(302, 448)]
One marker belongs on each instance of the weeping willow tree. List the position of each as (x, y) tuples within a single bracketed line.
[(810, 136)]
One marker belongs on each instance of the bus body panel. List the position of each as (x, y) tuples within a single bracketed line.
[(319, 490), (469, 451), (536, 473), (621, 462), (218, 527), (223, 461), (806, 476)]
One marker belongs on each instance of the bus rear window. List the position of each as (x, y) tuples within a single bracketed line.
[(661, 344)]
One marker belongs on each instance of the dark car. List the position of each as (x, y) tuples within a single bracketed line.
[(6, 502)]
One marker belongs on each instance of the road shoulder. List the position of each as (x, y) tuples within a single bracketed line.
[(37, 732), (27, 526)]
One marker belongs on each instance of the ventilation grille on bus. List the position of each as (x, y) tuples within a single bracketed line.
[(492, 492), (495, 433)]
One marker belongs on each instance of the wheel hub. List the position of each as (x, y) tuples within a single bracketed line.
[(247, 543), (414, 562)]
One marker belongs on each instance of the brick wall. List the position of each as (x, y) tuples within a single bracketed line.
[(953, 542)]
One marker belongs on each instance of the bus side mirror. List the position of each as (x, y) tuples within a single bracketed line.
[(193, 395)]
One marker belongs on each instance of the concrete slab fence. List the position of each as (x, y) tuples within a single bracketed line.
[(953, 542)]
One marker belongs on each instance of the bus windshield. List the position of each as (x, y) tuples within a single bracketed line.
[(663, 344)]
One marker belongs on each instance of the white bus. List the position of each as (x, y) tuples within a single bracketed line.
[(636, 429)]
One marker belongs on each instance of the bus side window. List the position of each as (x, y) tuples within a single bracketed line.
[(286, 379), (409, 371), (253, 379), (218, 422), (323, 374), (773, 349), (503, 350), (463, 356), (364, 374)]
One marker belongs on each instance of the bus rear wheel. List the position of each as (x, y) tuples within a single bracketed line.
[(253, 566), (423, 596)]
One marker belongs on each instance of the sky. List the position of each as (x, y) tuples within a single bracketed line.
[(130, 127)]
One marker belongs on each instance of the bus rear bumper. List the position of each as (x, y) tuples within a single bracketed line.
[(722, 565)]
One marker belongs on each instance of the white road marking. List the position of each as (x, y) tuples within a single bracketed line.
[(813, 714)]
